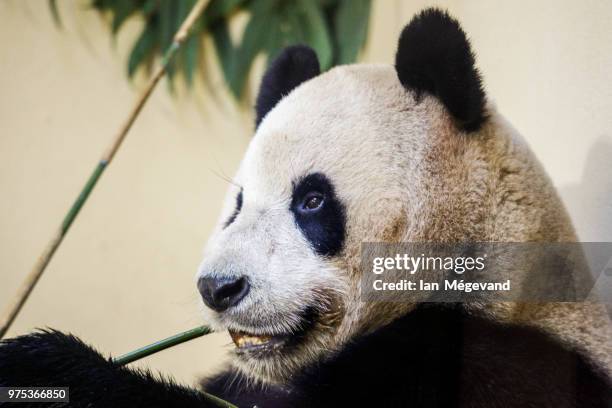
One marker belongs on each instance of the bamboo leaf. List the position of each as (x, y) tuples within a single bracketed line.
[(351, 24), (167, 29), (192, 51), (224, 47), (328, 3), (296, 23), (221, 8), (100, 4), (276, 43), (166, 21), (254, 40), (121, 12), (149, 7), (142, 49), (179, 13), (55, 12), (286, 31), (317, 32), (336, 29)]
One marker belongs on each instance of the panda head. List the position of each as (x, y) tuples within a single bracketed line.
[(361, 153)]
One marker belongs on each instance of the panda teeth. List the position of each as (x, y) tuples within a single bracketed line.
[(242, 339)]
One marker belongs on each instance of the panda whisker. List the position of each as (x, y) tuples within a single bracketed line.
[(224, 178)]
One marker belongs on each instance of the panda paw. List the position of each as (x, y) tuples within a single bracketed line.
[(49, 358)]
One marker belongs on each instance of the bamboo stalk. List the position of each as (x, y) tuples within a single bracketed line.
[(167, 343), (9, 315), (161, 345), (221, 403)]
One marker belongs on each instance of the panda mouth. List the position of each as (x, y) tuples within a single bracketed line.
[(250, 342)]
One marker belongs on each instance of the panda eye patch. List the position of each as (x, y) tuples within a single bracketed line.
[(319, 213), (236, 210)]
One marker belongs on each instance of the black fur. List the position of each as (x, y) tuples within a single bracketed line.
[(53, 359), (294, 65), (434, 56), (324, 229), (436, 356), (236, 210)]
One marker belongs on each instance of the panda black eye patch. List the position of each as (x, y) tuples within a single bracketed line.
[(319, 213), (236, 210)]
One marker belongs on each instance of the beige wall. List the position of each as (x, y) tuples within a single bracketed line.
[(124, 275)]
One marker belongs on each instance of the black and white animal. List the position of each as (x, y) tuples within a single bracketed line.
[(365, 153)]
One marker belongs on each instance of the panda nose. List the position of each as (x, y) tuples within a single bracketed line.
[(221, 293)]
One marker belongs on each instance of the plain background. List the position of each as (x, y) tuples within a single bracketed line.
[(124, 275)]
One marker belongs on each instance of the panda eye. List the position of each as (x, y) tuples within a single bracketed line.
[(312, 202), (318, 213)]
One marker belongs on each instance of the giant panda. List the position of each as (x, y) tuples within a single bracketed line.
[(365, 153)]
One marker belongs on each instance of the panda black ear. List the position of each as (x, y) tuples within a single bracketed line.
[(294, 65), (434, 56)]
